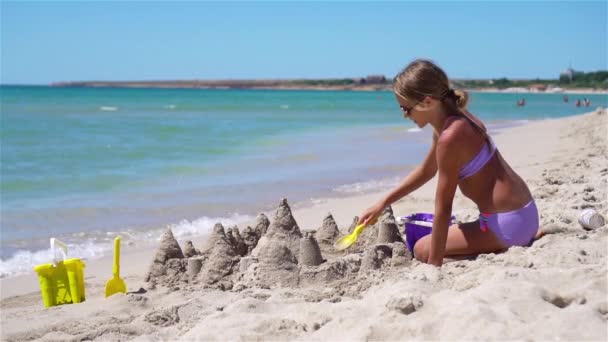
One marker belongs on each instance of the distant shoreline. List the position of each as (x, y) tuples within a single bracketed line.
[(530, 91), (296, 84), (300, 84), (322, 85)]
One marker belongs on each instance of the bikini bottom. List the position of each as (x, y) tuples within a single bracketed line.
[(513, 228)]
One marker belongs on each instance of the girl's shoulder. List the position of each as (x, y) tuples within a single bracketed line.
[(458, 129), (454, 125)]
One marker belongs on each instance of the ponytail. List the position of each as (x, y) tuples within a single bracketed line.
[(462, 99)]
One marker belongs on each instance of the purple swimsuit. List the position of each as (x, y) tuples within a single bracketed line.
[(480, 160), (513, 228)]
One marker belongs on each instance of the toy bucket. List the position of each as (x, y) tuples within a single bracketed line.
[(61, 282), (418, 226)]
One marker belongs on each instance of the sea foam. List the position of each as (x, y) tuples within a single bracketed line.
[(364, 187), (99, 245)]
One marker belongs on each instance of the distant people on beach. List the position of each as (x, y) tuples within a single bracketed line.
[(586, 102), (578, 102), (565, 98), (462, 155), (521, 103)]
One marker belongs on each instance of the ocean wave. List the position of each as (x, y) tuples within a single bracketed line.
[(23, 261), (205, 225), (108, 108), (414, 129), (366, 187), (97, 245)]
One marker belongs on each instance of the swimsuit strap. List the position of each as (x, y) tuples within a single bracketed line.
[(479, 161)]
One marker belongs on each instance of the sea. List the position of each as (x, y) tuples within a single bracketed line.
[(85, 164)]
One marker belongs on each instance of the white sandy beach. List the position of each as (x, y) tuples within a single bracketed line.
[(556, 289)]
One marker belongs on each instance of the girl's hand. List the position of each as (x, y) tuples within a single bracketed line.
[(371, 214)]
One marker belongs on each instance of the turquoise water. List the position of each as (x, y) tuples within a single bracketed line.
[(84, 163)]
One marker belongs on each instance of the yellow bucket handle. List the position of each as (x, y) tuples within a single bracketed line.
[(63, 248)]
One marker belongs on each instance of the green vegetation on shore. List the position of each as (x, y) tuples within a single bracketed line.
[(597, 80), (327, 82)]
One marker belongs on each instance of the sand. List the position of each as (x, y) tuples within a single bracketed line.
[(279, 278)]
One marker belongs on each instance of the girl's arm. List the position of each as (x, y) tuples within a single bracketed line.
[(448, 163)]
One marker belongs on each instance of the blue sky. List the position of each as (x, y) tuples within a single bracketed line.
[(44, 42)]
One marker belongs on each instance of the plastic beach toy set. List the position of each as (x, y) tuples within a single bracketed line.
[(62, 280)]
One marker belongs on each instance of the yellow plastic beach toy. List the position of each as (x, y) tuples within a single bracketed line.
[(116, 284), (349, 239), (61, 282)]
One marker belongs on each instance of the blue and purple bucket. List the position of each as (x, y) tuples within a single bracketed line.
[(418, 226)]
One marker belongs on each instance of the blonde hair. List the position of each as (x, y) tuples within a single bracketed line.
[(424, 78)]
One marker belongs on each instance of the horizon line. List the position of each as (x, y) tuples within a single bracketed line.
[(260, 80)]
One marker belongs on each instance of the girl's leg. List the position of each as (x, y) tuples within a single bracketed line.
[(463, 239)]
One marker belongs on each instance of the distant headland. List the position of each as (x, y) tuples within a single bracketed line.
[(568, 81), (372, 82)]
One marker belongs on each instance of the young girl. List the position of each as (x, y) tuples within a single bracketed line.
[(463, 155)]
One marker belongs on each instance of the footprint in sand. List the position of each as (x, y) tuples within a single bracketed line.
[(163, 317), (405, 305), (602, 308), (559, 300)]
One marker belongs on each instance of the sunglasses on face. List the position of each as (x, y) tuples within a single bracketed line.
[(407, 111)]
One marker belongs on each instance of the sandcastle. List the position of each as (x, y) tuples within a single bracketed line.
[(310, 253), (189, 250), (388, 231), (262, 224), (237, 241), (168, 263), (221, 259), (329, 232), (283, 230), (277, 253)]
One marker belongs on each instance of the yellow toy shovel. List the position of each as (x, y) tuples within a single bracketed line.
[(116, 284), (349, 239)]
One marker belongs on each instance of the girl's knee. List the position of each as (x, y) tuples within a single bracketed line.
[(421, 251)]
